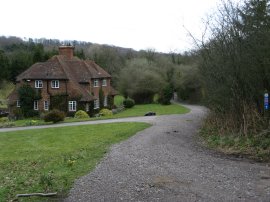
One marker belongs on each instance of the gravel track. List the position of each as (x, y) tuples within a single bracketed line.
[(166, 162)]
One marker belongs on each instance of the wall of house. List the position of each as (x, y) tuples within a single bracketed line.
[(106, 89), (46, 91)]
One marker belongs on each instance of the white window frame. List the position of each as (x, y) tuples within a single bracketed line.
[(96, 104), (46, 105), (87, 107), (96, 83), (104, 82), (55, 84), (18, 104), (72, 106), (35, 104), (38, 84), (105, 101)]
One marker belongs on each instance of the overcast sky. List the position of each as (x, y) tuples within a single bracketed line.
[(137, 24)]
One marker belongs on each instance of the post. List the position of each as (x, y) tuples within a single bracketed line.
[(266, 104)]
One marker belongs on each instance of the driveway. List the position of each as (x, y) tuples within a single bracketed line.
[(167, 162)]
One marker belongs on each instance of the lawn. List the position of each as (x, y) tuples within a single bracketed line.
[(137, 110), (140, 110), (49, 160)]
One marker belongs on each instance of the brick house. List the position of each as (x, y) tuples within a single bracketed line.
[(65, 82)]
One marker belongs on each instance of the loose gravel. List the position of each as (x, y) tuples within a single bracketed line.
[(167, 162)]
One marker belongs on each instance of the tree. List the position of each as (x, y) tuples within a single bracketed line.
[(146, 81), (235, 64), (4, 66), (27, 96)]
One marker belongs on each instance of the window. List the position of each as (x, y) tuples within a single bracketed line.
[(96, 83), (96, 104), (104, 82), (38, 84), (106, 101), (87, 107), (72, 106), (55, 83), (35, 105), (46, 105), (18, 104)]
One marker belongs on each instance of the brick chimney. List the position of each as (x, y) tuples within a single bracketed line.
[(67, 51)]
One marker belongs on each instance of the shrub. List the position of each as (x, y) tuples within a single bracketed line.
[(54, 116), (128, 103), (7, 124), (17, 114), (81, 115), (4, 120), (105, 112)]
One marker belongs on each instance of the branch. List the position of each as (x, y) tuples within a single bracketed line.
[(37, 194)]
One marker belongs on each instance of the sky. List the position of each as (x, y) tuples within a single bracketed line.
[(162, 25)]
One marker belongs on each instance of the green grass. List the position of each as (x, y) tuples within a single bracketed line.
[(140, 110), (49, 160), (256, 147)]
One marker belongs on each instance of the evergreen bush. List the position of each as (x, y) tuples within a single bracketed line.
[(54, 116), (128, 103)]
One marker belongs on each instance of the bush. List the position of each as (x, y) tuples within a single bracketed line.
[(17, 114), (81, 115), (105, 112), (128, 103), (4, 120), (7, 124), (54, 116)]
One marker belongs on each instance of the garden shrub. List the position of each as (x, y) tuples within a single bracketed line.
[(106, 112), (17, 114), (7, 124), (128, 103), (4, 120), (54, 116), (81, 115)]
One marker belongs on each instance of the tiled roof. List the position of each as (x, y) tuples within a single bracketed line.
[(73, 69), (44, 70)]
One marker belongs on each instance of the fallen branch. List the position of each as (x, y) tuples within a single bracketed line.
[(37, 194)]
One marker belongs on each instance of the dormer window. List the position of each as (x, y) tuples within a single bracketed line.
[(104, 82), (55, 83), (96, 83), (38, 84)]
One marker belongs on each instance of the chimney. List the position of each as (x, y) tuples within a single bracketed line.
[(67, 51)]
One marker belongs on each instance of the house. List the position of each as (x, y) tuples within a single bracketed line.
[(67, 83)]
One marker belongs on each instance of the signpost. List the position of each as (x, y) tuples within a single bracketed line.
[(266, 103)]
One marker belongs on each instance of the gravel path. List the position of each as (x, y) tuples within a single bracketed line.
[(166, 163)]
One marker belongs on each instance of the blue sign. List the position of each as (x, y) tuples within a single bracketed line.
[(266, 101)]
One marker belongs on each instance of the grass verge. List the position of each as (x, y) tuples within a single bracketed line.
[(49, 160), (255, 147)]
